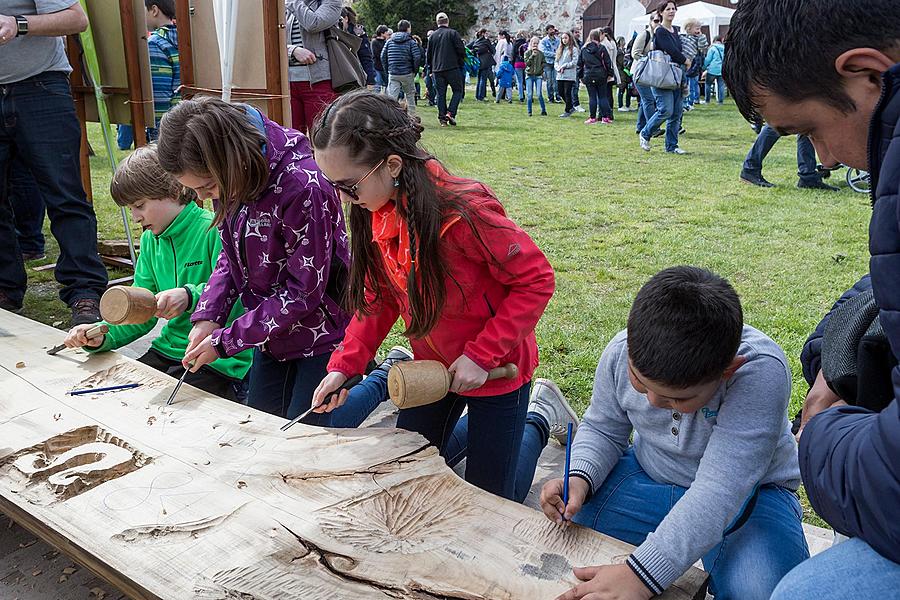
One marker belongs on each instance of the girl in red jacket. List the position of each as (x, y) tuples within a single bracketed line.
[(440, 252)]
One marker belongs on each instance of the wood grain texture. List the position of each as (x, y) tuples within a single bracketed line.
[(207, 499)]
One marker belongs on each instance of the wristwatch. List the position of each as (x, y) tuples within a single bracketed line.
[(22, 24)]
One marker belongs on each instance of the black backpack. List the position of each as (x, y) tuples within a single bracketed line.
[(856, 356)]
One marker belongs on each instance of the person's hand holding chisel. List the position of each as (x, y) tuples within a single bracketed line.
[(200, 350)]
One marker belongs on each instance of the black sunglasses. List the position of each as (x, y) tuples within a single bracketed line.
[(351, 190)]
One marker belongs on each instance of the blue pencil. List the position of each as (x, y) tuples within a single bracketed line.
[(111, 388), (568, 465)]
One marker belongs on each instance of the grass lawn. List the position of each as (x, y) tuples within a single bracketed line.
[(609, 216)]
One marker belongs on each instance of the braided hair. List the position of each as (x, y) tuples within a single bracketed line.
[(373, 127)]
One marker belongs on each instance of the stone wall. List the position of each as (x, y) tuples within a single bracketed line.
[(534, 15), (530, 15)]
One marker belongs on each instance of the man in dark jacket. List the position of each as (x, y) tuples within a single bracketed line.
[(401, 58), (842, 89), (378, 42), (445, 57), (484, 49)]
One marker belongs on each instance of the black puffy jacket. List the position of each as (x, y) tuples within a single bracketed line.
[(595, 63)]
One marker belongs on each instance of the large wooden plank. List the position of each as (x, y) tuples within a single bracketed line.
[(208, 499)]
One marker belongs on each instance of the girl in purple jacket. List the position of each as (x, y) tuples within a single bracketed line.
[(285, 251)]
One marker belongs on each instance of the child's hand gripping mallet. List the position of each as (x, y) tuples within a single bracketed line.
[(346, 386), (420, 382), (94, 332)]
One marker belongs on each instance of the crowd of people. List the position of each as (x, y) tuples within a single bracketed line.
[(278, 297), (561, 63)]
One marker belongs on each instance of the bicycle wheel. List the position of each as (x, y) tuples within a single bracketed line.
[(858, 180)]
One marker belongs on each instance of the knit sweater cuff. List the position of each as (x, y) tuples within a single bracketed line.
[(654, 569), (589, 471)]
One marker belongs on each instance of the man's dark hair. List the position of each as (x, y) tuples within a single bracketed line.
[(788, 47), (166, 7), (684, 327), (403, 25), (549, 28), (381, 30)]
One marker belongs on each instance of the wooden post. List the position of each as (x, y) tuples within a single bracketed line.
[(185, 48), (76, 81), (273, 51), (132, 68)]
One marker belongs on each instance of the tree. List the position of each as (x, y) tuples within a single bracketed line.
[(420, 13)]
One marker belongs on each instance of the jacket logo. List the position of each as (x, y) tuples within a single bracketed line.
[(193, 263), (709, 414)]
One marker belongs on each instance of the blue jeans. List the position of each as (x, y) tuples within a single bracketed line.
[(455, 79), (28, 207), (496, 426), (694, 88), (362, 399), (550, 79), (806, 155), (668, 109), (747, 564), (39, 126), (719, 82), (484, 76), (285, 388), (646, 107), (850, 569), (381, 82), (534, 82), (520, 81), (534, 440), (576, 101), (597, 98)]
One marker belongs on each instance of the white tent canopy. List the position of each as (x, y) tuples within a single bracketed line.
[(711, 15)]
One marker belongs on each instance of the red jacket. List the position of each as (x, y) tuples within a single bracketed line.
[(491, 319)]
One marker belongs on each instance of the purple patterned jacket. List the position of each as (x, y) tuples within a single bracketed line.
[(287, 255)]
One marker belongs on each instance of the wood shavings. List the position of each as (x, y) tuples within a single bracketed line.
[(36, 573), (57, 416), (245, 421), (151, 420), (98, 593), (69, 570), (241, 484), (20, 364), (28, 543)]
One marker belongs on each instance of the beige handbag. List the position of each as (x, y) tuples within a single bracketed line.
[(347, 73)]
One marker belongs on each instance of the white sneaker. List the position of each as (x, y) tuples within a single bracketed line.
[(579, 108), (395, 355), (645, 144), (548, 401), (677, 150), (624, 109)]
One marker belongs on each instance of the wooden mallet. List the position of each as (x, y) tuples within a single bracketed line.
[(127, 305), (420, 382)]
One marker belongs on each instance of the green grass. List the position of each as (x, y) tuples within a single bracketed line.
[(609, 216)]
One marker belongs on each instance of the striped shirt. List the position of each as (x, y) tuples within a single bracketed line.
[(165, 72)]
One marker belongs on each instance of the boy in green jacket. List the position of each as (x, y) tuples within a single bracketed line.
[(179, 250)]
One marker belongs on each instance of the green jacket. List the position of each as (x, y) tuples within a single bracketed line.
[(184, 255), (534, 63)]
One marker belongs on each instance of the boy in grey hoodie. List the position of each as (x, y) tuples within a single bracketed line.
[(712, 471)]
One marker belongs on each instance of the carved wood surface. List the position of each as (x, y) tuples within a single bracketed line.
[(207, 499)]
